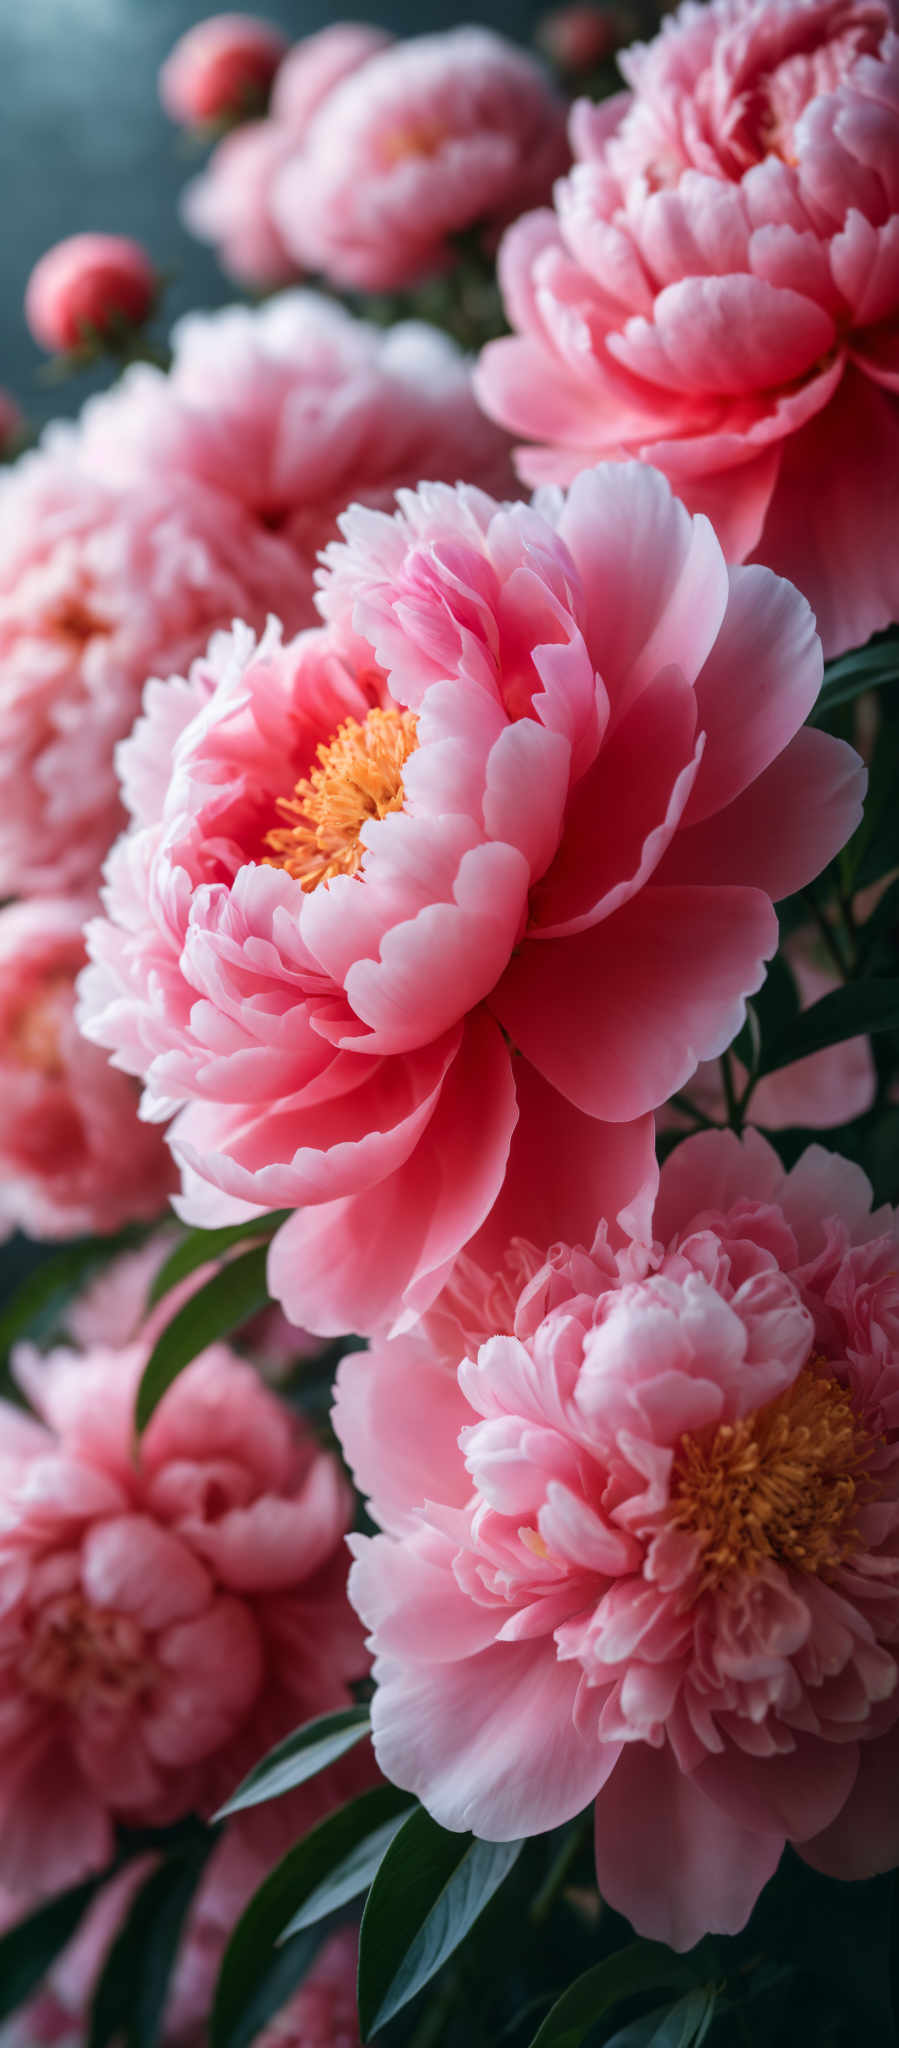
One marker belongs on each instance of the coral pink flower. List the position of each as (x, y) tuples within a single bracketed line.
[(230, 203), (220, 68), (641, 1547), (492, 853), (165, 1617), (87, 284), (73, 1155), (99, 588), (433, 137), (718, 292), (294, 409)]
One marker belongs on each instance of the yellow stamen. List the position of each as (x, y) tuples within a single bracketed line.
[(779, 1485), (359, 776)]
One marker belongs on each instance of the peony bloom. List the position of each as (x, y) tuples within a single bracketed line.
[(493, 852), (220, 67), (73, 1155), (230, 203), (431, 138), (295, 408), (165, 1616), (86, 286), (718, 292), (641, 1543), (99, 588)]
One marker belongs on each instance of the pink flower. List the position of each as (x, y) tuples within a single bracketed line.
[(430, 138), (230, 203), (492, 853), (295, 408), (73, 1156), (100, 587), (580, 36), (718, 292), (114, 1311), (84, 286), (219, 67), (640, 1545), (165, 1617)]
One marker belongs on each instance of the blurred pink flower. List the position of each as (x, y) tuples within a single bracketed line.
[(718, 292), (99, 587), (114, 1311), (165, 1616), (433, 137), (640, 1546), (295, 408), (73, 1156), (88, 283), (220, 68), (230, 203), (582, 35), (534, 770)]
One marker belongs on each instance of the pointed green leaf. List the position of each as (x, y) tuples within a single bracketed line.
[(866, 668), (429, 1891), (644, 1966), (300, 1756), (859, 1008), (28, 1949), (349, 1878), (236, 1292), (129, 2000), (251, 1954), (205, 1247)]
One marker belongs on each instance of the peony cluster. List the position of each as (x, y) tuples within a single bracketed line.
[(534, 762), (640, 1540), (717, 291)]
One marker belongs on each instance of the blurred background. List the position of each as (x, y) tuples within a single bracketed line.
[(84, 143)]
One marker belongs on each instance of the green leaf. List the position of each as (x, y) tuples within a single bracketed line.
[(861, 1007), (873, 849), (867, 668), (429, 1891), (28, 1949), (300, 1756), (129, 2000), (251, 1954), (44, 1293), (205, 1247), (236, 1292), (349, 1878), (644, 1966), (686, 2024)]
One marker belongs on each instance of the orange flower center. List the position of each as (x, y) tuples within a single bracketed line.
[(780, 1485), (34, 1037), (80, 1654), (359, 776), (421, 138)]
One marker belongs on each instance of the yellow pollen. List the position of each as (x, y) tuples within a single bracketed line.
[(359, 776), (780, 1485)]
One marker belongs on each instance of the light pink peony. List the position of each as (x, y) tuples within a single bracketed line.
[(230, 203), (432, 138), (641, 1547), (492, 853), (87, 285), (165, 1616), (219, 67), (718, 292), (295, 408), (73, 1155), (99, 588)]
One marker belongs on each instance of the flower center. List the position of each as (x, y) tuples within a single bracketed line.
[(413, 138), (35, 1034), (359, 776), (779, 1485), (80, 1654)]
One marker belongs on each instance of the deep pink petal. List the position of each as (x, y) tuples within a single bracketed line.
[(784, 828), (768, 641), (863, 1839)]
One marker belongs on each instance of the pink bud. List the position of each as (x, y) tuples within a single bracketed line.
[(87, 282), (576, 38), (222, 67)]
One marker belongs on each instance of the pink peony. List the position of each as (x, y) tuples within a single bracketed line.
[(73, 1156), (293, 409), (165, 1617), (86, 285), (718, 292), (492, 853), (220, 67), (641, 1547), (582, 35), (230, 203), (429, 139), (99, 587)]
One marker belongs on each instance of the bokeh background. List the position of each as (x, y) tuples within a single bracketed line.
[(85, 144)]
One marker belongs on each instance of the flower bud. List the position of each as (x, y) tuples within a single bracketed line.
[(221, 69), (86, 286)]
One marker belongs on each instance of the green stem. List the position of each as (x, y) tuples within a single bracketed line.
[(734, 1108), (828, 935), (683, 1102), (543, 1903)]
